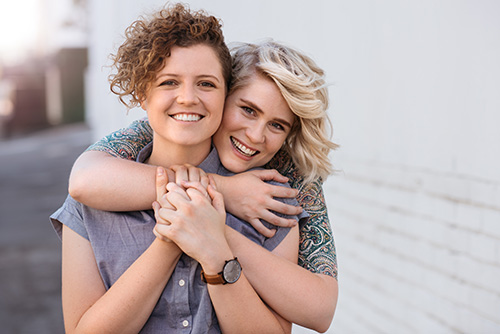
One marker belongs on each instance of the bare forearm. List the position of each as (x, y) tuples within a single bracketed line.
[(238, 307), (240, 310), (127, 305), (297, 294), (104, 182)]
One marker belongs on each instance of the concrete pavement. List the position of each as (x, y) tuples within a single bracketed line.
[(33, 183)]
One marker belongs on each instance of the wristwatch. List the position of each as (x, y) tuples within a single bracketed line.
[(229, 274)]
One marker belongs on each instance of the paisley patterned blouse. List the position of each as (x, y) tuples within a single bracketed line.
[(317, 247)]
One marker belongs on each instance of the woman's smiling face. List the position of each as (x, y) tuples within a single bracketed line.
[(185, 102), (255, 124)]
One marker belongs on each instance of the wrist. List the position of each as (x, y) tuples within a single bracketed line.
[(167, 245), (219, 182), (230, 234), (230, 273), (213, 264)]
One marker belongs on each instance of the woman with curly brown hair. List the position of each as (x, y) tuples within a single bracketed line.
[(117, 277), (306, 295)]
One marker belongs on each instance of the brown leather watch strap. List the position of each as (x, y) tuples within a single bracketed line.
[(212, 279), (230, 273)]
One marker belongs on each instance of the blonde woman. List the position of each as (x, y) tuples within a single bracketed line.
[(252, 134)]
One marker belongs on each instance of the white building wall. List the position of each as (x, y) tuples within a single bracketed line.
[(415, 107)]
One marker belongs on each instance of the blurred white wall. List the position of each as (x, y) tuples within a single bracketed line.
[(415, 107)]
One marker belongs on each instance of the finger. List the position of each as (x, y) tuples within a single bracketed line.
[(270, 175), (213, 186), (164, 203), (276, 220), (160, 231), (175, 188), (284, 208), (257, 224), (194, 173), (161, 182), (217, 199), (181, 173), (158, 216), (204, 179), (198, 187), (161, 199), (283, 192), (156, 206), (170, 174), (211, 181), (177, 198)]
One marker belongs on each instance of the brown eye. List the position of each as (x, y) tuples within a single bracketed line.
[(278, 126), (248, 110), (168, 83), (207, 84)]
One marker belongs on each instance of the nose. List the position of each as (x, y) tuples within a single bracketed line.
[(256, 132), (187, 95)]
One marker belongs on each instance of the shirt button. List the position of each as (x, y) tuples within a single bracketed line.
[(182, 282), (185, 323)]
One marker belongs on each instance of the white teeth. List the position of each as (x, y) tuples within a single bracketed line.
[(242, 148), (187, 117)]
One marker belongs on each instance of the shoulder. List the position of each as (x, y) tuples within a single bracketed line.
[(126, 142)]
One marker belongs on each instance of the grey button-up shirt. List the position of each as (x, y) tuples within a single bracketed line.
[(119, 238)]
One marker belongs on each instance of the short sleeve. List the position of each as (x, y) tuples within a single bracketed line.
[(302, 219), (69, 214), (317, 251), (126, 143)]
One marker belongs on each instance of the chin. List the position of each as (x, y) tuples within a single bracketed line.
[(235, 167)]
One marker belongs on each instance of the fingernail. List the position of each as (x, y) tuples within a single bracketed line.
[(160, 171)]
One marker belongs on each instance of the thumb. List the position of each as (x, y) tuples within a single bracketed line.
[(161, 182), (217, 198)]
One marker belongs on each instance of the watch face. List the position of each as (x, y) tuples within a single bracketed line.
[(232, 271)]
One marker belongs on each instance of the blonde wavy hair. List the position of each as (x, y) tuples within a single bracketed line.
[(302, 84)]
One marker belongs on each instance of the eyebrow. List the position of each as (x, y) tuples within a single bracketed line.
[(258, 109), (201, 76)]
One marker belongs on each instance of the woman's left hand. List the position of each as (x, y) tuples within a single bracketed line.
[(251, 199), (196, 222)]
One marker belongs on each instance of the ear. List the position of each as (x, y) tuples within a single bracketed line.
[(144, 103)]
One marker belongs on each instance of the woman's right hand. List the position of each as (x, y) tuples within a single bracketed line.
[(196, 222)]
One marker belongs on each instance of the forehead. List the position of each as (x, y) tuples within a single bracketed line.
[(264, 94), (195, 60)]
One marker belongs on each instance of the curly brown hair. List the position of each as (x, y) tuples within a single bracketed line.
[(148, 42)]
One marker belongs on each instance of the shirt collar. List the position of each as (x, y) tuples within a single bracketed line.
[(211, 164)]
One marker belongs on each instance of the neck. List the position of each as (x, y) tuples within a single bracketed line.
[(168, 154)]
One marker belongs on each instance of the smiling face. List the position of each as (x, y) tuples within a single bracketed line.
[(256, 122), (185, 103)]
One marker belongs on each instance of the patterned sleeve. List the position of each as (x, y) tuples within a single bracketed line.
[(317, 247), (126, 143)]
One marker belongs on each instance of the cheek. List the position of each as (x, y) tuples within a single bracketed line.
[(276, 143), (231, 120)]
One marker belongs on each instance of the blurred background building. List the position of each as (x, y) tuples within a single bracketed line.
[(415, 207), (42, 64)]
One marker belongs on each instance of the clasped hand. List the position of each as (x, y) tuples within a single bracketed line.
[(190, 212)]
